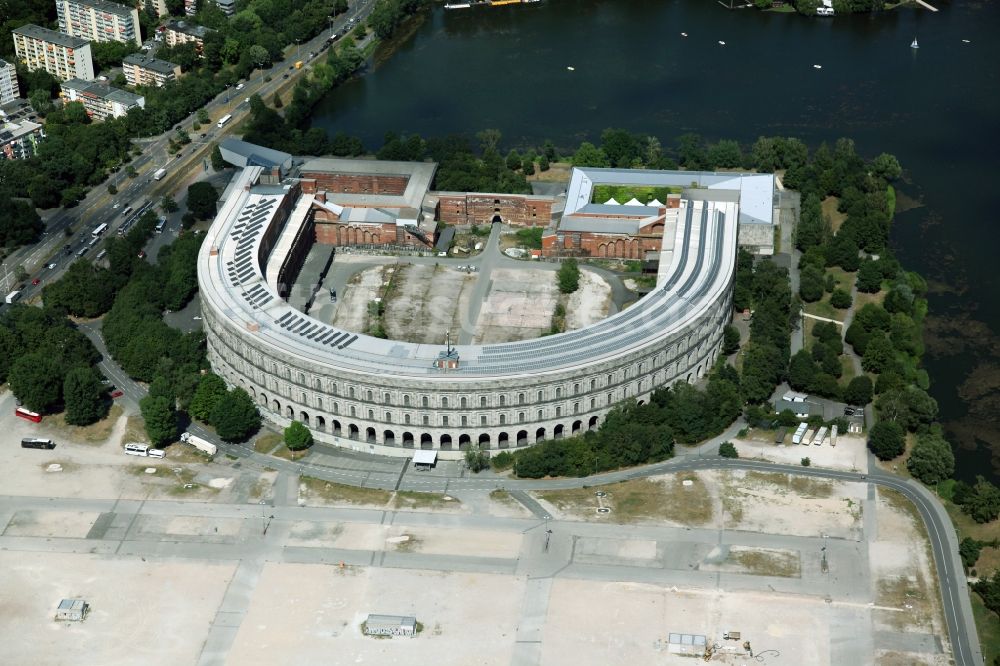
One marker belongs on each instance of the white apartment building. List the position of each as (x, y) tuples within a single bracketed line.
[(62, 56), (99, 20), (8, 83), (101, 100)]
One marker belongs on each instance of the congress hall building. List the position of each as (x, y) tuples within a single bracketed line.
[(390, 397)]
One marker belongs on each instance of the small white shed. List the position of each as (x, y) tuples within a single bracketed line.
[(424, 459), (72, 610)]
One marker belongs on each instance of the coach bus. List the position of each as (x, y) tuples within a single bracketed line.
[(37, 443), (99, 230), (223, 120), (26, 413)]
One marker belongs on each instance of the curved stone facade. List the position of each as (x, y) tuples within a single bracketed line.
[(389, 397)]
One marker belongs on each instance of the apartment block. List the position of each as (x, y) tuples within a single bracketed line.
[(228, 7), (99, 20), (18, 140), (62, 56), (182, 32), (8, 83), (101, 100), (144, 70)]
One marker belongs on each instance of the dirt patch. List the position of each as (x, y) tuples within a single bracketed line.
[(352, 312), (426, 302), (62, 524), (267, 442), (96, 433), (590, 303), (409, 500), (519, 306), (766, 561)]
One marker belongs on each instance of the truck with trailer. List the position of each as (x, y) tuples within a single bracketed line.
[(199, 443)]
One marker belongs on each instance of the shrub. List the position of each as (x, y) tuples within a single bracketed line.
[(728, 450), (806, 462), (298, 437), (886, 440)]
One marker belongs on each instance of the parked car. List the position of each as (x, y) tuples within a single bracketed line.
[(36, 281), (116, 392)]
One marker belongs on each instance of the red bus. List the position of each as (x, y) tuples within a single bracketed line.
[(28, 414)]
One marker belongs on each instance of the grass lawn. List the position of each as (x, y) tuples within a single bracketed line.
[(623, 193), (558, 172), (338, 492), (409, 499), (829, 208), (864, 298), (640, 499), (822, 308), (267, 442), (988, 628)]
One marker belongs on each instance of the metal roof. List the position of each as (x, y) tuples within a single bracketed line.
[(60, 38)]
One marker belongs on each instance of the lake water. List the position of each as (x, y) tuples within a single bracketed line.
[(936, 108)]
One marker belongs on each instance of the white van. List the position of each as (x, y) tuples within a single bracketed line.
[(135, 449), (156, 453)]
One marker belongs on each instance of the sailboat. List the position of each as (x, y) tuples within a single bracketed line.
[(914, 45)]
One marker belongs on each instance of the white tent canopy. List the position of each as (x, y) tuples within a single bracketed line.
[(424, 457), (655, 203), (633, 202), (611, 202)]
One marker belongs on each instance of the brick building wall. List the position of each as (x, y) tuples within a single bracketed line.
[(515, 209), (597, 244), (339, 183)]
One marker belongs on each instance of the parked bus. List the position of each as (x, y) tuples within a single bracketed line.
[(160, 173), (37, 443), (99, 230), (223, 120), (101, 255), (27, 414), (159, 225), (12, 297), (128, 209)]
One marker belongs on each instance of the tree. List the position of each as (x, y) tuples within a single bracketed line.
[(276, 101), (806, 462), (878, 354), (730, 340), (201, 200), (36, 379), (235, 416), (909, 406), (728, 450), (858, 391), (568, 276), (476, 459), (886, 440), (218, 163), (211, 389), (886, 166), (160, 419), (19, 223), (298, 437), (869, 277), (840, 299), (931, 459), (589, 155), (811, 284), (982, 501), (168, 205), (82, 397), (968, 550)]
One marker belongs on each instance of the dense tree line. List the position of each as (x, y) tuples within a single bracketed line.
[(633, 434), (48, 363)]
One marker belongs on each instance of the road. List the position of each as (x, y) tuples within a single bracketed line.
[(99, 207)]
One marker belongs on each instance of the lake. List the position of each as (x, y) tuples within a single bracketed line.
[(937, 108)]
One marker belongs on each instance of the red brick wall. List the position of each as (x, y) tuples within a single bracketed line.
[(600, 245), (513, 209), (339, 183)]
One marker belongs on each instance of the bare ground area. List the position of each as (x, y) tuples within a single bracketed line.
[(425, 302), (140, 613), (519, 306), (590, 303), (352, 306), (850, 453), (289, 622), (599, 623)]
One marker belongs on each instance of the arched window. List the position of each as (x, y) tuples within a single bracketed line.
[(388, 417), (558, 392), (444, 401), (387, 398), (426, 419), (464, 403), (465, 420), (482, 401), (576, 388), (520, 398), (503, 419), (576, 408), (558, 410), (368, 396), (406, 400), (503, 400), (424, 401), (406, 419), (540, 415), (350, 392), (371, 415), (354, 412), (444, 420), (540, 396), (520, 417)]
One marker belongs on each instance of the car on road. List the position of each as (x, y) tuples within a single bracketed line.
[(116, 392), (36, 281), (52, 266), (142, 254), (203, 135), (284, 76)]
